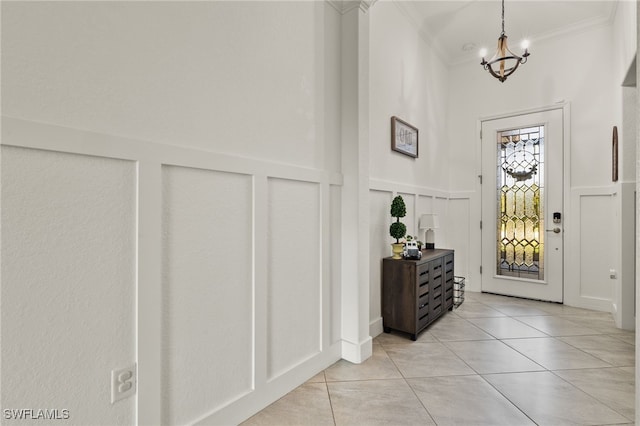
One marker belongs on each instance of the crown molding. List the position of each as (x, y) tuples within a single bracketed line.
[(346, 6), (570, 30), (412, 16)]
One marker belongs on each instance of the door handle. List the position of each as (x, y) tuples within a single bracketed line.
[(554, 230)]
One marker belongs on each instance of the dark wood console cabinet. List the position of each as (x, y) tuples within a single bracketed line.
[(416, 292)]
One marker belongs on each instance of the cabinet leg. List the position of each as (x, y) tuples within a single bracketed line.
[(387, 329), (414, 337)]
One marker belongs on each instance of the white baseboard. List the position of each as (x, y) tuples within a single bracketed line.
[(357, 352), (375, 327)]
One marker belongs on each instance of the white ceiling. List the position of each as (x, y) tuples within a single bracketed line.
[(451, 24)]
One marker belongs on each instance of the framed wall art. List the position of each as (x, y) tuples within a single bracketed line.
[(404, 137)]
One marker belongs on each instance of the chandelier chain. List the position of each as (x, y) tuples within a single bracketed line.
[(502, 17)]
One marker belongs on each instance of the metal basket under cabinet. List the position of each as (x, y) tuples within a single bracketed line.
[(458, 291)]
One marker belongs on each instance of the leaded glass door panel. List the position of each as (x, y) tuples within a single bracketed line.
[(522, 247)]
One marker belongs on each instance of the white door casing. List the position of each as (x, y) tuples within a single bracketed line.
[(550, 286)]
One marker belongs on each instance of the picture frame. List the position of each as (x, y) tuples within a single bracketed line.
[(614, 154), (404, 137)]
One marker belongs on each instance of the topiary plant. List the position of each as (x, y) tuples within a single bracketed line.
[(398, 209)]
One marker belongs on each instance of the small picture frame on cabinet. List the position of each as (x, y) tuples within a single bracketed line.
[(404, 137)]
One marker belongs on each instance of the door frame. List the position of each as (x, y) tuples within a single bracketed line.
[(569, 233)]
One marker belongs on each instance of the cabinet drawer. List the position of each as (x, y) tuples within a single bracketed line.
[(436, 310), (449, 277), (423, 298), (448, 263), (448, 297), (436, 271), (422, 274), (437, 290), (424, 319)]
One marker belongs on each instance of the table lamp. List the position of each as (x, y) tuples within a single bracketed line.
[(429, 222)]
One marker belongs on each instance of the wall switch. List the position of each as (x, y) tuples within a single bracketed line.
[(613, 274), (123, 382)]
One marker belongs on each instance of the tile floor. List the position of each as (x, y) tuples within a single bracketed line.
[(493, 361)]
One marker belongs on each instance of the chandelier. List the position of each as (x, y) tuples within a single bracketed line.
[(504, 62)]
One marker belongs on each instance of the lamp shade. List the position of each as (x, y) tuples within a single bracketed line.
[(429, 221)]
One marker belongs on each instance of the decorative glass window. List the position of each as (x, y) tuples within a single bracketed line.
[(520, 203)]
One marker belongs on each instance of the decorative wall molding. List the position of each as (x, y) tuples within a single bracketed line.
[(153, 161), (577, 265), (385, 185), (346, 6)]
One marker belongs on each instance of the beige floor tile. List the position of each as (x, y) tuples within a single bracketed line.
[(556, 326), (607, 348), (427, 360), (582, 388), (455, 329), (398, 338), (614, 387), (506, 328), (549, 400), (492, 356), (554, 354), (379, 366), (306, 405), (513, 309), (318, 378), (627, 337), (477, 310), (466, 400), (376, 402)]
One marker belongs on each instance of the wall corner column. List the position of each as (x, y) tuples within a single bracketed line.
[(355, 338)]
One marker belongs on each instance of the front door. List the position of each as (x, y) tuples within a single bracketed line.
[(522, 200)]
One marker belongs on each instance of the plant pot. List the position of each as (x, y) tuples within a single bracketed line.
[(397, 250)]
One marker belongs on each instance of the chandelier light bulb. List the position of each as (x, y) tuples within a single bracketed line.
[(483, 52), (524, 44)]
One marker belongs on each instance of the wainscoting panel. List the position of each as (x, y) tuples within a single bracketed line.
[(218, 275), (207, 291), (592, 251), (419, 200), (380, 247), (294, 290), (441, 208), (458, 220), (423, 206), (68, 282), (410, 219), (597, 247), (335, 223)]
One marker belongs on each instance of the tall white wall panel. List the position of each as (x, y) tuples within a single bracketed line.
[(207, 291), (458, 221), (294, 291), (409, 220), (68, 282), (335, 304), (380, 247), (597, 246)]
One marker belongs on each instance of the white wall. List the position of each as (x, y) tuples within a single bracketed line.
[(625, 100), (407, 80), (584, 81), (169, 154)]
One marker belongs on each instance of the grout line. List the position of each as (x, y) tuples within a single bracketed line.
[(333, 414)]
